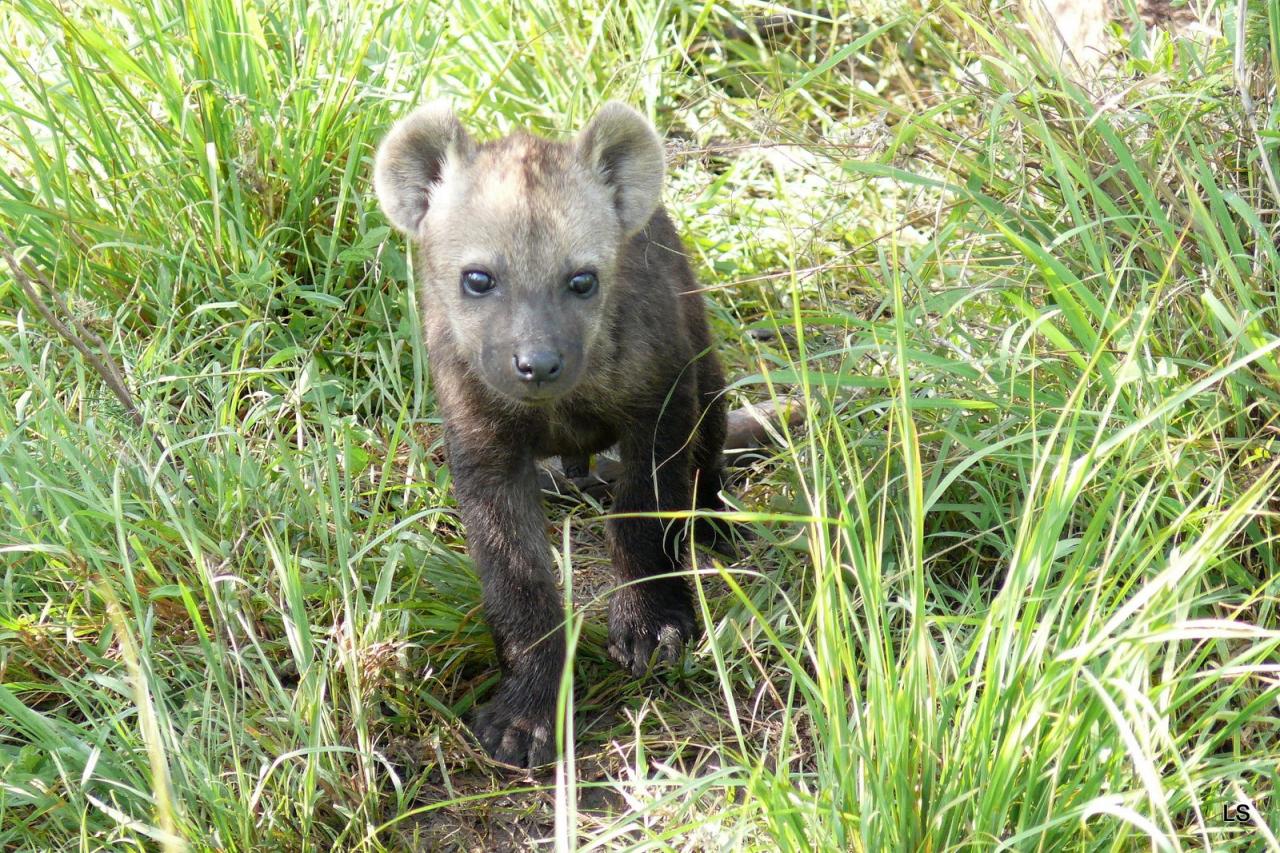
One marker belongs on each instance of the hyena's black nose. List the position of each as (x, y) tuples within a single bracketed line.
[(541, 365)]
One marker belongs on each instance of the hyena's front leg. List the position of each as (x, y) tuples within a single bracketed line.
[(649, 613), (497, 492)]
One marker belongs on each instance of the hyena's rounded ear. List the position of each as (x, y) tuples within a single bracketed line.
[(624, 150), (411, 159)]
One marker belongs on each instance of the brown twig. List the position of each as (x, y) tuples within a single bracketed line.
[(33, 283), (1240, 69)]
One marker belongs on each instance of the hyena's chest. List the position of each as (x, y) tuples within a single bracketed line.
[(576, 431)]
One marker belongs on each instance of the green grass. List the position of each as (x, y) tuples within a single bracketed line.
[(1015, 582)]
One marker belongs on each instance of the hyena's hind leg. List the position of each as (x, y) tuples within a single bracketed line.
[(708, 455)]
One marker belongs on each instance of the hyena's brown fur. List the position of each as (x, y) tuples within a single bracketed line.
[(633, 365)]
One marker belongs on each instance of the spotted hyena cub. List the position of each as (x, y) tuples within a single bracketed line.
[(561, 318)]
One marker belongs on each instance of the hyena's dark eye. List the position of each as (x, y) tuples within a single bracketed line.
[(583, 284), (477, 282)]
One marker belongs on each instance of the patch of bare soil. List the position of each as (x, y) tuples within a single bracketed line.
[(1177, 18), (467, 803)]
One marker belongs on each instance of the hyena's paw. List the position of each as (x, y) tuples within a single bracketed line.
[(649, 623), (724, 538), (513, 734)]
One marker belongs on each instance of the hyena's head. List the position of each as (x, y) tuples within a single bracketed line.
[(518, 240)]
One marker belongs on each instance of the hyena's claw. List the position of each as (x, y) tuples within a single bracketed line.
[(644, 632), (514, 739)]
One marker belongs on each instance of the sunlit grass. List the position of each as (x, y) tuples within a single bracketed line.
[(1012, 583)]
